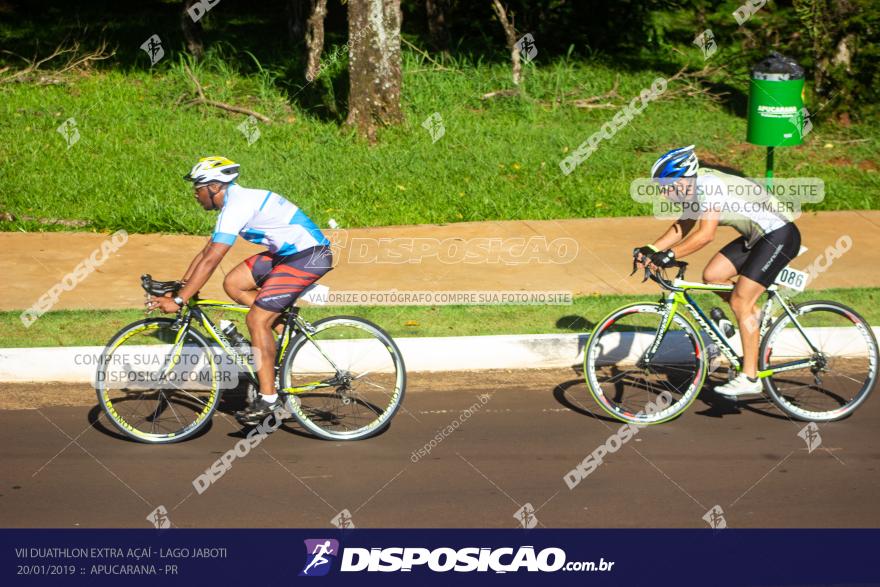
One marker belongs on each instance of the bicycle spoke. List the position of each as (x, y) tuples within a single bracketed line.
[(845, 374), (366, 376), (620, 375), (623, 385), (166, 410)]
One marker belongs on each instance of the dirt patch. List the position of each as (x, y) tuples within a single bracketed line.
[(841, 162), (33, 396), (597, 259)]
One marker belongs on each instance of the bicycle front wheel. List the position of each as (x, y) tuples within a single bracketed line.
[(156, 385), (346, 379), (838, 351), (628, 384)]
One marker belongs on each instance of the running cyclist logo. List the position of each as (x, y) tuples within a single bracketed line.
[(320, 554)]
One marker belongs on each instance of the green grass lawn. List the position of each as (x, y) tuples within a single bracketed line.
[(89, 327), (498, 159)]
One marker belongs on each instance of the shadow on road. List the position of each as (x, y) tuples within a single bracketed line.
[(563, 394), (714, 405)]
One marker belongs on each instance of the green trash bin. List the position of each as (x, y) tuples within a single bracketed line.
[(776, 103)]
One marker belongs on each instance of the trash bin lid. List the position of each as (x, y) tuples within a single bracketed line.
[(777, 67)]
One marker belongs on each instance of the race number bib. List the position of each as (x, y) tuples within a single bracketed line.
[(792, 279)]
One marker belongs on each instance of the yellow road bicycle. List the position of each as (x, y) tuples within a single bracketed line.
[(159, 380), (646, 362)]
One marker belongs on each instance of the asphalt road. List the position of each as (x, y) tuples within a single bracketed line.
[(61, 466)]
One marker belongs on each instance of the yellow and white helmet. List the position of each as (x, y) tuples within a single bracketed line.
[(210, 169)]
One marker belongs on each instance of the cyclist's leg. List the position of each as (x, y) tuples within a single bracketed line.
[(743, 302), (768, 256), (726, 265), (242, 283), (259, 323), (279, 290)]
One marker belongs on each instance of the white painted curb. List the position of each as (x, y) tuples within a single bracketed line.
[(78, 364), (458, 353)]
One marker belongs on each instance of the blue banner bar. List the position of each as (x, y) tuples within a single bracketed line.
[(584, 557)]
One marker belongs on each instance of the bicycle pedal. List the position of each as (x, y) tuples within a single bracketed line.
[(245, 421), (250, 422)]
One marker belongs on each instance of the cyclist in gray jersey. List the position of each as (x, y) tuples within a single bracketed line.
[(768, 241), (742, 204)]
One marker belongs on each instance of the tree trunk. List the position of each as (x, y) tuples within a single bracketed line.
[(295, 20), (315, 37), (374, 65), (192, 31), (510, 35), (438, 34)]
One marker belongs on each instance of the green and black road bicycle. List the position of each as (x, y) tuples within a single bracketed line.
[(159, 380), (817, 359)]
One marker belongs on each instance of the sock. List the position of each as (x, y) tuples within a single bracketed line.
[(752, 379), (270, 398)]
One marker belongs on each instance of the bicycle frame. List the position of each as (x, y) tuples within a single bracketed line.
[(293, 322), (679, 296)]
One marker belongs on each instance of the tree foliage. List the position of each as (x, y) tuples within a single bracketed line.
[(836, 40)]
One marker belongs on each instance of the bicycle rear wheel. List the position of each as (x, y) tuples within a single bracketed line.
[(155, 388), (843, 361), (346, 381), (629, 387)]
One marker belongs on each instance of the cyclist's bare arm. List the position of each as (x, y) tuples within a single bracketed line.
[(674, 234), (679, 230), (194, 263), (207, 262), (702, 235)]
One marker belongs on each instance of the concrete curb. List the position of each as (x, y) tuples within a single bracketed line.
[(77, 364), (464, 353)]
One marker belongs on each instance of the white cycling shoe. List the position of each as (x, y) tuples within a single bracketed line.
[(739, 386)]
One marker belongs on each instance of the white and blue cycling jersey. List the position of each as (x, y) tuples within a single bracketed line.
[(265, 218)]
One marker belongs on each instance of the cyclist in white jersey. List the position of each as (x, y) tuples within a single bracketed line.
[(297, 255), (768, 241)]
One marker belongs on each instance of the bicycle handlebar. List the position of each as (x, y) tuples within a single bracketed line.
[(658, 277), (159, 288)]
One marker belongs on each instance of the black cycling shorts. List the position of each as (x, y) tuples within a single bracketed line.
[(282, 279), (764, 261)]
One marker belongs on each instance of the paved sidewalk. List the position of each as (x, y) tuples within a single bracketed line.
[(581, 256)]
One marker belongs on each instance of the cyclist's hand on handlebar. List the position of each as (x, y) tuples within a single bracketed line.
[(661, 259), (163, 303), (640, 254)]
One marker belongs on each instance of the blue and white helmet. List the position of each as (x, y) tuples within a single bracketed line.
[(676, 164)]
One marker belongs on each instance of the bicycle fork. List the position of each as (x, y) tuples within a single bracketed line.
[(665, 320)]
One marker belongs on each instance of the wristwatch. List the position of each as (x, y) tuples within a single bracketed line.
[(179, 301)]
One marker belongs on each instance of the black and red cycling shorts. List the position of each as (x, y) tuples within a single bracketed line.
[(282, 279)]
